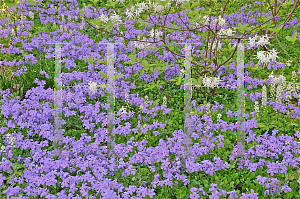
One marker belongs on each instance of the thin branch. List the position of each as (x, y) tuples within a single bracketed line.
[(228, 58), (285, 51)]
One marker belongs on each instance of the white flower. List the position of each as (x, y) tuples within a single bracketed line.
[(289, 63), (69, 17), (219, 116), (271, 75), (211, 81), (123, 110), (65, 28), (164, 100), (146, 97), (229, 32), (221, 21), (2, 148), (143, 5), (264, 95), (287, 143), (18, 28), (141, 106), (158, 8), (13, 32), (126, 96), (31, 15), (157, 33), (115, 18), (262, 57), (279, 93), (208, 106), (182, 71), (256, 107), (205, 20), (93, 87), (11, 139), (129, 14), (263, 41), (103, 18), (272, 55), (22, 18), (252, 41)]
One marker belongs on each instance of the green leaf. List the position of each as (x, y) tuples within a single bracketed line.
[(9, 3), (164, 3), (294, 37), (276, 30), (97, 22), (100, 61), (206, 59), (195, 4), (187, 5), (31, 2), (103, 74), (288, 38), (241, 27), (132, 58), (90, 60)]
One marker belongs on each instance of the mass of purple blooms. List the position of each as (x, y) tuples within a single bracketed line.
[(30, 170)]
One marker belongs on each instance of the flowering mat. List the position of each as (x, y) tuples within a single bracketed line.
[(146, 155)]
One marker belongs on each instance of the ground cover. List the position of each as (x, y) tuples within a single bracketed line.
[(32, 134)]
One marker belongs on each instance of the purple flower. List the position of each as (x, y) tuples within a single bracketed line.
[(253, 195), (44, 73), (286, 188), (194, 196)]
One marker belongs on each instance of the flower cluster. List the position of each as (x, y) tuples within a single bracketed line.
[(114, 18), (266, 57), (211, 81), (11, 140), (93, 171), (93, 87), (227, 32), (263, 41), (221, 21)]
